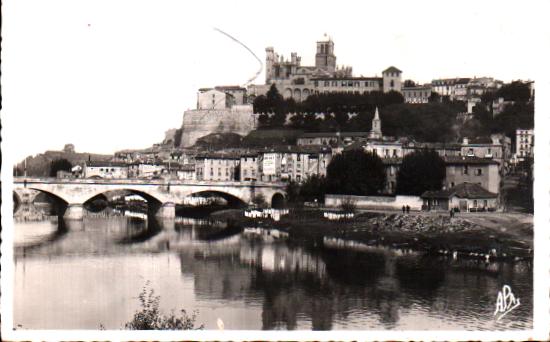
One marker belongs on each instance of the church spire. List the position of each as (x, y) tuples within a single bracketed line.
[(376, 131)]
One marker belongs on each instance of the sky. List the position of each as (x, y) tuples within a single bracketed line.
[(110, 75)]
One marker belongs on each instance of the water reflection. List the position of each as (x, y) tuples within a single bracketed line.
[(255, 279)]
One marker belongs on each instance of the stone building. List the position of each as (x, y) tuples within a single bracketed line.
[(108, 170), (464, 196), (419, 94), (294, 163), (481, 171), (217, 166), (251, 166), (525, 141), (297, 81)]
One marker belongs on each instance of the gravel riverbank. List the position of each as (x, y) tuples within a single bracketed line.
[(489, 236)]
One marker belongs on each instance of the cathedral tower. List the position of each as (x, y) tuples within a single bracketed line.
[(325, 58)]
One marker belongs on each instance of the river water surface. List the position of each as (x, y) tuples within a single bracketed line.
[(80, 275)]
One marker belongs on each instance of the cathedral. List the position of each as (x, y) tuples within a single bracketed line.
[(294, 80)]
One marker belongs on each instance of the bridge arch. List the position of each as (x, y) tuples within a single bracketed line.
[(278, 200), (232, 200), (16, 201)]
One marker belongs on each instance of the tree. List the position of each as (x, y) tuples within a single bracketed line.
[(516, 91), (313, 188), (60, 165), (355, 172), (420, 171), (409, 83), (259, 201)]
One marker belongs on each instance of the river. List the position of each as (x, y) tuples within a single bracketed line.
[(87, 274)]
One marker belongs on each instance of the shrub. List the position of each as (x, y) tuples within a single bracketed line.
[(150, 318)]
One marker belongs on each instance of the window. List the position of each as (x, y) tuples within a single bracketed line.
[(211, 172), (327, 83), (452, 184), (479, 172), (475, 203), (465, 170), (391, 84)]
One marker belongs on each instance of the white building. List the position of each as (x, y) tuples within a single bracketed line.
[(525, 140), (108, 170)]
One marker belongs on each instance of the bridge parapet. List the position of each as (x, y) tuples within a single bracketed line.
[(162, 195)]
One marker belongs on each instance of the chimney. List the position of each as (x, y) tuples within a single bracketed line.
[(465, 141)]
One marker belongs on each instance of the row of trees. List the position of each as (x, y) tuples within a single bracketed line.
[(360, 173), (430, 122)]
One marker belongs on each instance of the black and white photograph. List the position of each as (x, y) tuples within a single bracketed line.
[(198, 170)]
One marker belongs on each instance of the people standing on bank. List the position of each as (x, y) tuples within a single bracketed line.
[(408, 209), (403, 209)]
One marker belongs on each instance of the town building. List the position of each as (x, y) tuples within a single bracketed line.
[(442, 149), (297, 81), (107, 170), (417, 94), (221, 97), (525, 141), (464, 197), (331, 138), (185, 172), (251, 166), (217, 166), (146, 170), (497, 147), (481, 171), (295, 163)]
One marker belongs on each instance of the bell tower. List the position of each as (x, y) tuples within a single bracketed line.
[(376, 131), (325, 58)]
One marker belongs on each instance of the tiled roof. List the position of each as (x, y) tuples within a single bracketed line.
[(299, 149), (462, 190), (391, 69), (346, 78), (94, 163), (334, 134), (469, 160)]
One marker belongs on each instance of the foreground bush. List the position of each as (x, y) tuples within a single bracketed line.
[(149, 317)]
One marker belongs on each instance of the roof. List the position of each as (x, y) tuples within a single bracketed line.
[(346, 78), (218, 155), (95, 163), (334, 134), (299, 149), (428, 87), (469, 160), (391, 69), (462, 190), (230, 87)]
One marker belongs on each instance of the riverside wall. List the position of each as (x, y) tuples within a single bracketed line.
[(198, 123), (375, 202)]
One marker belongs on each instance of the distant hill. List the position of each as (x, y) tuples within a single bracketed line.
[(39, 165)]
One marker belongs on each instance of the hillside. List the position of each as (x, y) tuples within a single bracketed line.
[(39, 165)]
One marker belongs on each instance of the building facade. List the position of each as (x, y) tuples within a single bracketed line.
[(107, 170), (217, 167), (480, 171), (525, 141), (419, 94)]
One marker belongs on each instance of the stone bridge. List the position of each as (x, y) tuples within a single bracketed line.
[(161, 195)]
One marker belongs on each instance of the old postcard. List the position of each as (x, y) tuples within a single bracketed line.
[(275, 170)]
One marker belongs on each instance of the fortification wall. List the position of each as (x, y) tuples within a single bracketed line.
[(199, 123)]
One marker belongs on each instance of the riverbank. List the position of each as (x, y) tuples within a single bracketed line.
[(491, 236)]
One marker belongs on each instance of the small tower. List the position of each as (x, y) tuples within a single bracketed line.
[(325, 58), (391, 79), (270, 60), (376, 131)]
